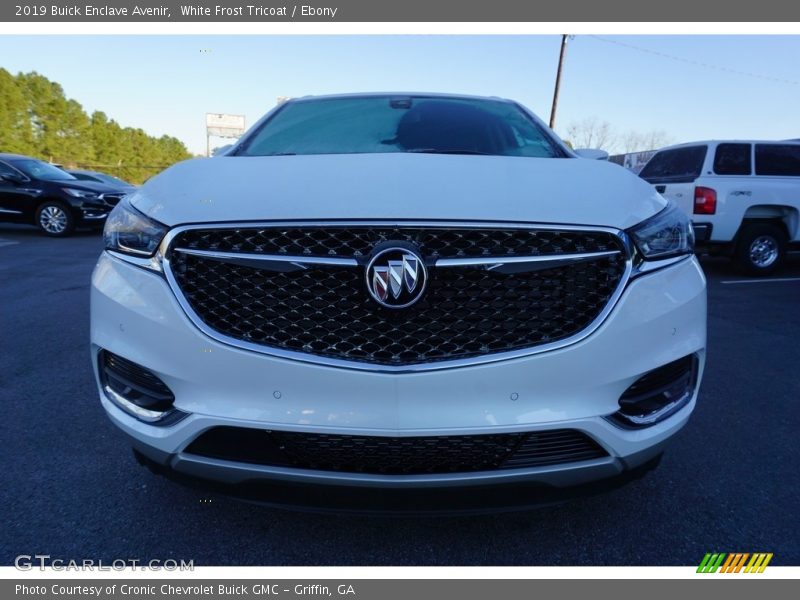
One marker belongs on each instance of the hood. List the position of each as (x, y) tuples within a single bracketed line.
[(398, 186), (91, 186)]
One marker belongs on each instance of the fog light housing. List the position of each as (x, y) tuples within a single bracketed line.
[(137, 391), (658, 394)]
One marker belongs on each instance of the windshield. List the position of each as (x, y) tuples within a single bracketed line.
[(380, 124), (112, 180), (37, 169), (106, 178)]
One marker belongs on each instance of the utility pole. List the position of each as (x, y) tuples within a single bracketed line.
[(558, 80)]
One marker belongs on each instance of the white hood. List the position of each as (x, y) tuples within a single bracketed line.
[(398, 186)]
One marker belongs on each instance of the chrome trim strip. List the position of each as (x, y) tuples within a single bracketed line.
[(659, 415), (273, 262), (10, 212), (361, 366), (152, 263), (495, 260), (143, 414), (648, 266), (278, 262), (522, 264)]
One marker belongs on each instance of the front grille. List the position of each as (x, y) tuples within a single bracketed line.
[(113, 198), (432, 242), (466, 312), (396, 455)]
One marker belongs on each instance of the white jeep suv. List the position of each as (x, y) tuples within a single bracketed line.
[(743, 196), (398, 300)]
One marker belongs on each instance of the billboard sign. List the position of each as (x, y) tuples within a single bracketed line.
[(222, 125)]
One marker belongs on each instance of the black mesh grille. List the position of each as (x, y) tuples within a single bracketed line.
[(396, 455), (465, 312), (345, 242), (113, 198)]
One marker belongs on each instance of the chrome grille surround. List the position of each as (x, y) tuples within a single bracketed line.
[(169, 246)]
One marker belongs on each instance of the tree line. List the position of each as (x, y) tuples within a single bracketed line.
[(592, 132), (37, 119)]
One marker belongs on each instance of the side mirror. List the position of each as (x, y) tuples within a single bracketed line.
[(592, 153)]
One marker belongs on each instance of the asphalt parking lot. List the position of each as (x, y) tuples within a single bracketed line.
[(71, 488)]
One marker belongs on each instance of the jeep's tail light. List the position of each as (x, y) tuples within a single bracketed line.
[(705, 201)]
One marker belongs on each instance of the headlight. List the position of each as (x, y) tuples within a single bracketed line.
[(130, 232), (669, 233), (80, 193)]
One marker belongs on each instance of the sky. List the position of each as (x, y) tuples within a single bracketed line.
[(692, 87)]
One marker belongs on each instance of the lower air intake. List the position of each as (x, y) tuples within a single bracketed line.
[(396, 455)]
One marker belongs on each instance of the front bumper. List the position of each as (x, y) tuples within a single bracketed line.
[(90, 213), (659, 318)]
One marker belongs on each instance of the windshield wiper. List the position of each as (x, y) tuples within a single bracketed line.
[(446, 151)]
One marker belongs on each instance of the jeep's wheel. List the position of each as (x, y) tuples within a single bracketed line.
[(760, 248), (53, 218)]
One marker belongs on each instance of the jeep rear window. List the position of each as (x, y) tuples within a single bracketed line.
[(778, 159), (416, 124), (677, 165), (732, 159)]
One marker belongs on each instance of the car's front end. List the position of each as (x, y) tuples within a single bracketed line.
[(464, 324), (90, 203), (56, 201)]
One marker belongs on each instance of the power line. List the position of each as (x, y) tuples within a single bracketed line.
[(696, 63)]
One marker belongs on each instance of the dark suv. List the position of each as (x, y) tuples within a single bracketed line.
[(38, 193)]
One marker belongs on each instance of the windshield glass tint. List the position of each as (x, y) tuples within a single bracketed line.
[(114, 180), (37, 169), (778, 159), (110, 179), (400, 124)]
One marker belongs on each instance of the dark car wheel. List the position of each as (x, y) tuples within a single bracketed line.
[(760, 248), (55, 219)]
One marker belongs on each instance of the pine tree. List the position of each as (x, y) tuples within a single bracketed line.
[(37, 119)]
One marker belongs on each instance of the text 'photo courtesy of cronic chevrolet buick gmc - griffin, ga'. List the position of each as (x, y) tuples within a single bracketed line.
[(400, 301)]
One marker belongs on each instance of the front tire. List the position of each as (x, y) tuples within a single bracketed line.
[(55, 219), (760, 248)]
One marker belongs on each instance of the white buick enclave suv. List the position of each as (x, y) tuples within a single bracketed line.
[(398, 300)]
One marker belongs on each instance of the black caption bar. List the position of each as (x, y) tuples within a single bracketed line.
[(402, 11), (392, 589)]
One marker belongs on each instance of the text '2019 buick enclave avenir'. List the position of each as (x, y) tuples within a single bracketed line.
[(402, 300)]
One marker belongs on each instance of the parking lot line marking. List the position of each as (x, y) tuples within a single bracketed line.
[(776, 279)]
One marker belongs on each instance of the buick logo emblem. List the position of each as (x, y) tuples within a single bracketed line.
[(396, 277)]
